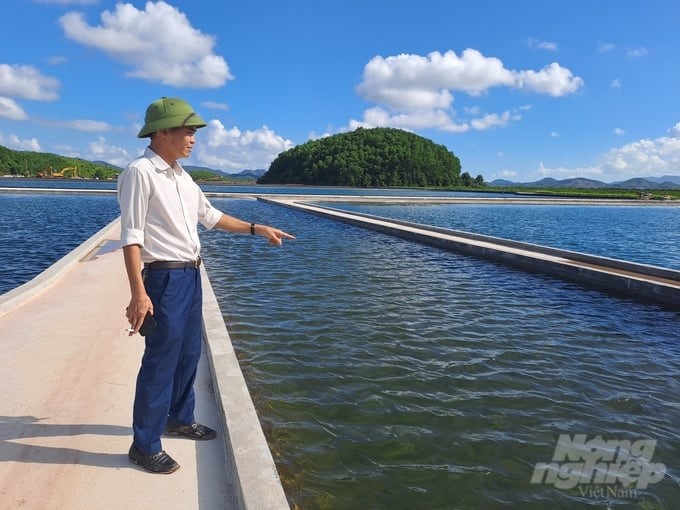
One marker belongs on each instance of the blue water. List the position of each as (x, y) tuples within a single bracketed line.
[(644, 234), (21, 182), (38, 230), (393, 375)]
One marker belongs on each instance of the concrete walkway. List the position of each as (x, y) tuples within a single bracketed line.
[(67, 375)]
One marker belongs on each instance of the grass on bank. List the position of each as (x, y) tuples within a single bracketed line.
[(610, 193), (630, 194)]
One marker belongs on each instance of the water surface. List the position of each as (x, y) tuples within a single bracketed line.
[(38, 230), (644, 234), (389, 374)]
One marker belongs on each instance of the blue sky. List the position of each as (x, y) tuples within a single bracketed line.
[(517, 90)]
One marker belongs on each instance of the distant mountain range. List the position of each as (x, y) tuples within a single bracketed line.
[(664, 182), (248, 174)]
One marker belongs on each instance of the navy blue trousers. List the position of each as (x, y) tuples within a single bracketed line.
[(165, 383)]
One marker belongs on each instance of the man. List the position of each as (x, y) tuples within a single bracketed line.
[(160, 207)]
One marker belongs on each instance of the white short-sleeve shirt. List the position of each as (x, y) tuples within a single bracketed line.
[(160, 209)]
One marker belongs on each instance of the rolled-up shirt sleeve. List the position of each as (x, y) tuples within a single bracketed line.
[(207, 214), (133, 199)]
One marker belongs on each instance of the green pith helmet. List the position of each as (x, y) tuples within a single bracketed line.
[(168, 113)]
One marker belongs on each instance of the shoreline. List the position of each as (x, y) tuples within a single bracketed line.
[(516, 199)]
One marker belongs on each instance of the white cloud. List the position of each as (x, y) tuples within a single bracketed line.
[(158, 43), (637, 52), (554, 134), (562, 172), (9, 109), (432, 119), (643, 158), (407, 81), (417, 92), (491, 120), (214, 105), (399, 81), (313, 136), (605, 47), (57, 60), (99, 150), (414, 97), (16, 143), (660, 156), (553, 80), (408, 120), (26, 82), (89, 126), (233, 149), (615, 84), (541, 45), (505, 174), (619, 131), (66, 150), (85, 125)]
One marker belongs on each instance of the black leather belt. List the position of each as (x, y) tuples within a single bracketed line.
[(172, 264)]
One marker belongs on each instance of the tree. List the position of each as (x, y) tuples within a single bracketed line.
[(366, 157), (32, 164)]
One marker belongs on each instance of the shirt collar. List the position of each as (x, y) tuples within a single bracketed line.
[(160, 164)]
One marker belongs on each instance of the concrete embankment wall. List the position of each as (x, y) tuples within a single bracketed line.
[(657, 284), (254, 476)]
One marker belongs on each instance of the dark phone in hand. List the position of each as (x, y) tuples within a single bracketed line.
[(148, 325)]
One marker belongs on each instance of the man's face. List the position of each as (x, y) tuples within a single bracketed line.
[(182, 140)]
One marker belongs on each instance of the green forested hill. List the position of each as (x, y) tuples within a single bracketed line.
[(370, 158), (43, 164)]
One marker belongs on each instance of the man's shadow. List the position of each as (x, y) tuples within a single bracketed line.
[(22, 427)]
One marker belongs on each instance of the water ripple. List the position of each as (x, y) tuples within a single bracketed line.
[(402, 376), (37, 230)]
